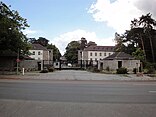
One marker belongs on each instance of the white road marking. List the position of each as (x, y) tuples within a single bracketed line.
[(152, 91)]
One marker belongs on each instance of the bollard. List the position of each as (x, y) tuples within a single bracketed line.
[(23, 71)]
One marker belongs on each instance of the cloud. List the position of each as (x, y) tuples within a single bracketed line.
[(62, 41), (118, 14), (147, 6)]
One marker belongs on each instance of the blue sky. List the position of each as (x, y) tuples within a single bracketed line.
[(62, 21)]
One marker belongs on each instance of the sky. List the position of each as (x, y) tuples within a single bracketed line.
[(63, 21)]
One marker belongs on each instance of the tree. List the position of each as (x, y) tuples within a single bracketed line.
[(41, 40), (119, 47), (139, 54), (11, 27), (91, 43), (141, 35), (56, 52), (72, 51), (148, 24)]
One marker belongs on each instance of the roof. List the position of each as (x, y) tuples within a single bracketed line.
[(119, 56), (100, 48), (38, 47)]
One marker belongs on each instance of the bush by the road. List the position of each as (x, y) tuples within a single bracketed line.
[(122, 71)]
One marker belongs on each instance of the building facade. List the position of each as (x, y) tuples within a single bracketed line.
[(92, 54), (42, 55), (119, 60)]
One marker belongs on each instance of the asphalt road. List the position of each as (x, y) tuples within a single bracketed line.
[(80, 92), (130, 97)]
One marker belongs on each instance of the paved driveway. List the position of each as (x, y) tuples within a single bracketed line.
[(76, 75)]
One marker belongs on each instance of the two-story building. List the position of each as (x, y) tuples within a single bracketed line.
[(92, 54), (40, 57)]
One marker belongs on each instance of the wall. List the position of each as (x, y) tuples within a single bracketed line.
[(98, 57), (29, 65), (113, 64), (36, 56)]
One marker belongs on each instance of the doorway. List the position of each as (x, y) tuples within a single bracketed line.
[(39, 65), (119, 64)]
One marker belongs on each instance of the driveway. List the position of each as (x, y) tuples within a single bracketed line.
[(76, 75)]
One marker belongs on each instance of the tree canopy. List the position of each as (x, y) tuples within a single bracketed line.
[(72, 51), (141, 35), (11, 27)]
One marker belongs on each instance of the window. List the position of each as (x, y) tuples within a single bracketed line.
[(33, 53), (100, 54), (104, 54), (39, 53), (95, 54), (91, 54)]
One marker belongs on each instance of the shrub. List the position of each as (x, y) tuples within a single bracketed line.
[(149, 68), (51, 69), (122, 71), (96, 69), (45, 70), (93, 69)]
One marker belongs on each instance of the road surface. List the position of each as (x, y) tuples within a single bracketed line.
[(77, 98)]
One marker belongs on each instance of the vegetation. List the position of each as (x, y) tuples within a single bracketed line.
[(73, 47), (141, 35), (139, 41), (122, 71), (45, 70), (11, 35), (72, 52)]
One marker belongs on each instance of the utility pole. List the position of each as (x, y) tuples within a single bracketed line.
[(17, 60)]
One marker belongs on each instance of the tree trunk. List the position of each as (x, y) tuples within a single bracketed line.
[(143, 47), (151, 44)]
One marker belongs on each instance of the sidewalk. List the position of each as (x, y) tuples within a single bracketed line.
[(78, 75)]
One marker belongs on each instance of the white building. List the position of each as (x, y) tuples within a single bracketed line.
[(43, 55), (94, 54)]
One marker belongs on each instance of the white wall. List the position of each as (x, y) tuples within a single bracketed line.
[(36, 56), (98, 57)]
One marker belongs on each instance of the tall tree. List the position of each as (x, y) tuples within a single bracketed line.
[(11, 27), (72, 51), (148, 24), (141, 35)]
